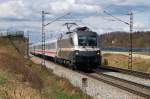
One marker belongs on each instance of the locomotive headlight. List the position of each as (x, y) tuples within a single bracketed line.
[(98, 52), (77, 52)]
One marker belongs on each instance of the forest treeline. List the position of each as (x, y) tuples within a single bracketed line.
[(122, 39)]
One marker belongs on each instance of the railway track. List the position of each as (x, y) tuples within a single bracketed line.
[(130, 86), (127, 71), (133, 87)]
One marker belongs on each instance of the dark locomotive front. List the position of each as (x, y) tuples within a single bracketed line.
[(88, 53)]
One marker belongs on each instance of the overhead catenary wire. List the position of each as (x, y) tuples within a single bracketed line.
[(118, 19), (130, 36), (57, 19)]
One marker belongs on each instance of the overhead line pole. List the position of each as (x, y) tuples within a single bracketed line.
[(130, 60), (28, 42), (131, 46), (43, 39), (43, 32)]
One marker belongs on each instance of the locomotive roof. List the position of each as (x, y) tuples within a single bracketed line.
[(90, 33), (84, 31)]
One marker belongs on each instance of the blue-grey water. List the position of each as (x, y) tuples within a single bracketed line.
[(120, 49)]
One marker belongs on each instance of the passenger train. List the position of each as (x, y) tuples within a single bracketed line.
[(79, 49)]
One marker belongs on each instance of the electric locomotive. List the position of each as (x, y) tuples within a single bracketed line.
[(79, 49)]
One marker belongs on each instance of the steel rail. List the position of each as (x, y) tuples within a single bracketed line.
[(127, 71), (129, 86)]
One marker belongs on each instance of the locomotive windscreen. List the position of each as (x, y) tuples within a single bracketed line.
[(87, 39)]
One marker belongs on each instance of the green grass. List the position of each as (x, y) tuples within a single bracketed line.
[(3, 95), (121, 61), (60, 94), (3, 80), (60, 88)]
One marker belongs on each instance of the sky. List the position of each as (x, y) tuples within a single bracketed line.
[(26, 15)]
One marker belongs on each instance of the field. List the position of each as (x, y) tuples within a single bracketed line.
[(143, 53), (119, 60), (20, 78)]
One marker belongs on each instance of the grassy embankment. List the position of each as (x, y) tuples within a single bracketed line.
[(121, 61), (20, 78)]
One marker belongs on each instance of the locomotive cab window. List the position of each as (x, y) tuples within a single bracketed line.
[(87, 41)]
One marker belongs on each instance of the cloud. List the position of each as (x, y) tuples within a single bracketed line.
[(15, 9), (132, 2), (6, 9), (100, 25), (4, 1), (26, 14), (31, 9), (72, 6)]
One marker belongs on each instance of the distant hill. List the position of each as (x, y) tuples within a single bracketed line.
[(121, 39)]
